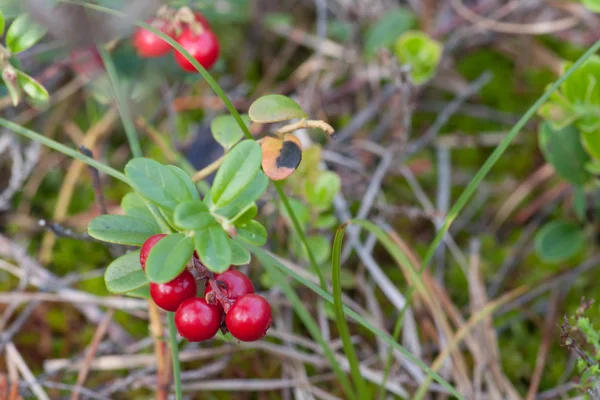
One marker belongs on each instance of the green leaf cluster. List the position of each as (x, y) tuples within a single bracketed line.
[(165, 200)]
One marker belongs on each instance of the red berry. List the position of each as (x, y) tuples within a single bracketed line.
[(147, 246), (236, 283), (196, 320), (170, 295), (149, 44), (204, 47), (249, 318), (202, 20)]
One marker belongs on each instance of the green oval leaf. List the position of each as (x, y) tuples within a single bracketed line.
[(387, 29), (186, 180), (142, 292), (562, 148), (135, 206), (252, 232), (157, 183), (558, 240), (239, 254), (23, 33), (125, 274), (193, 215), (238, 170), (245, 216), (275, 108), (213, 247), (32, 88), (246, 198), (321, 192), (226, 130), (168, 257), (422, 53), (121, 229)]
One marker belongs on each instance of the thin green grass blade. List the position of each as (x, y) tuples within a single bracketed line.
[(300, 232), (277, 276), (267, 258), (389, 358), (122, 103), (28, 133), (340, 318)]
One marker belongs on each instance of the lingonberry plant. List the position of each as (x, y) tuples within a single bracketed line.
[(184, 238)]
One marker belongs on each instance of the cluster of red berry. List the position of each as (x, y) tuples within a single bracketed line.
[(247, 315), (191, 30)]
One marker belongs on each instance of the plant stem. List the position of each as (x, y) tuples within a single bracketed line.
[(63, 149), (122, 103), (174, 354)]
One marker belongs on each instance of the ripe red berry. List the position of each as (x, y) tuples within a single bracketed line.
[(202, 20), (204, 47), (236, 283), (147, 246), (170, 295), (197, 320), (149, 44), (249, 318)]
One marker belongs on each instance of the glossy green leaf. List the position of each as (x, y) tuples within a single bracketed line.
[(275, 108), (9, 77), (23, 33), (562, 148), (142, 292), (592, 5), (385, 31), (246, 216), (246, 198), (157, 183), (214, 249), (238, 170), (32, 88), (579, 202), (135, 206), (168, 257), (125, 274), (193, 215), (226, 130), (121, 229), (186, 180), (558, 240), (239, 254), (422, 53), (252, 232), (321, 192)]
